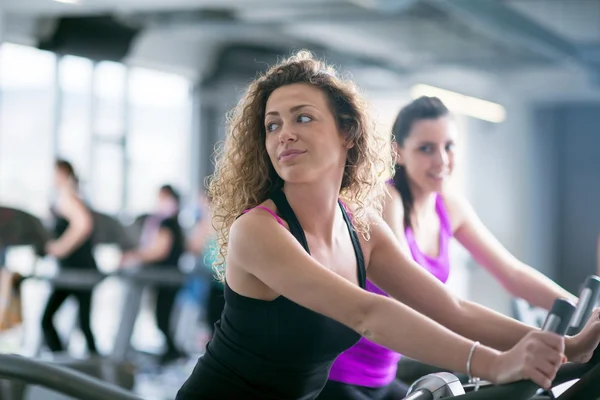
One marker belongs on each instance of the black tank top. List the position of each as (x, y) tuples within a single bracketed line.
[(177, 249), (81, 257), (272, 349)]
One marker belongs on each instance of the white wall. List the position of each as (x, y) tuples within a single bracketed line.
[(498, 189)]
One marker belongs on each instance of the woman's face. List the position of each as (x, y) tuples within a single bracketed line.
[(166, 204), (61, 177), (302, 138), (427, 153)]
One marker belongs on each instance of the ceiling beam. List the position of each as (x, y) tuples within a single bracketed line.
[(386, 6), (230, 22), (590, 53), (510, 26)]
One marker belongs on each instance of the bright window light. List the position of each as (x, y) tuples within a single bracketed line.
[(462, 104), (67, 1)]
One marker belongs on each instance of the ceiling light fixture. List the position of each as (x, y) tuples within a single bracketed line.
[(463, 104), (67, 1)]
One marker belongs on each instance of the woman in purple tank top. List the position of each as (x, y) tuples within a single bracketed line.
[(425, 214)]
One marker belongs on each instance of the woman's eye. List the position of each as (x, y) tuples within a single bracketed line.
[(271, 127), (426, 149), (304, 119)]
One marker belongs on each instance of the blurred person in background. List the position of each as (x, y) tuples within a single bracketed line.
[(161, 245), (73, 249)]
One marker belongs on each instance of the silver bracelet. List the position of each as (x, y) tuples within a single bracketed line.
[(475, 344)]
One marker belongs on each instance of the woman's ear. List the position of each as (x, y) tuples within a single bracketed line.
[(397, 153), (347, 140)]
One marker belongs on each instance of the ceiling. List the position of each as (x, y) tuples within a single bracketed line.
[(397, 36), (575, 20)]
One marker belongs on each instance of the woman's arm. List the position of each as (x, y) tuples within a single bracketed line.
[(519, 279), (79, 230), (157, 250), (405, 280), (259, 246)]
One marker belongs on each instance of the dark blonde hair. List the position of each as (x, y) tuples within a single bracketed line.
[(244, 176)]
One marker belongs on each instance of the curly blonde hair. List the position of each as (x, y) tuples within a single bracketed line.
[(244, 176)]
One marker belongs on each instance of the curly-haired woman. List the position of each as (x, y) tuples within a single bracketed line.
[(297, 197)]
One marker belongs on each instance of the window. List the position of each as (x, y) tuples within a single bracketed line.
[(27, 83), (110, 84), (107, 178), (112, 122), (158, 148), (74, 130), (109, 128)]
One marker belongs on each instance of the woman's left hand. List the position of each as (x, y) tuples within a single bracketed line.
[(581, 347)]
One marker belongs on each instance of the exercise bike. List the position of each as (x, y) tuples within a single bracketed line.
[(573, 381)]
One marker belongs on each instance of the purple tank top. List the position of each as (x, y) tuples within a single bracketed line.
[(369, 364)]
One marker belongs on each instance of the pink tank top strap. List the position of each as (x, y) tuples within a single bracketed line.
[(269, 211), (442, 211), (345, 207), (347, 210)]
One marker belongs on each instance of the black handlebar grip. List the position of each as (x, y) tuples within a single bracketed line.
[(585, 305), (559, 317)]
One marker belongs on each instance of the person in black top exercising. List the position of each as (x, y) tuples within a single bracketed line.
[(73, 249), (161, 245), (296, 204)]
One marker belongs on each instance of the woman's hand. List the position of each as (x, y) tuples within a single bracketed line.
[(53, 248), (537, 357), (581, 347), (129, 259)]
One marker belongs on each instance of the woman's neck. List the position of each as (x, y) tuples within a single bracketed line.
[(316, 207), (423, 206)]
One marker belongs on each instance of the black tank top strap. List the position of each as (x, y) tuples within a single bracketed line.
[(360, 258), (288, 215)]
